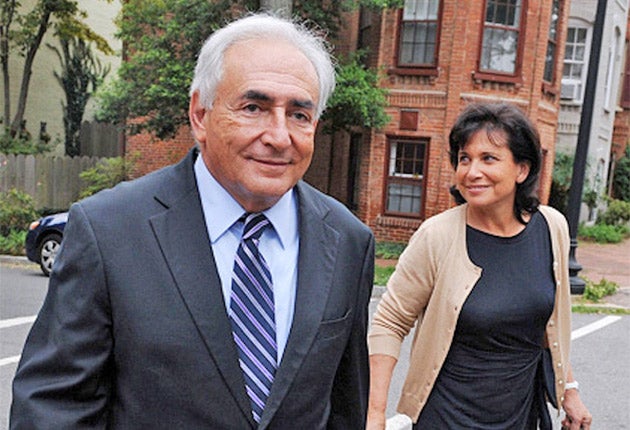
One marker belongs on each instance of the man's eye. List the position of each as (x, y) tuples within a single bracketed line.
[(301, 116), (252, 108)]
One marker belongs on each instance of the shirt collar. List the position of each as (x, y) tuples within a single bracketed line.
[(283, 216)]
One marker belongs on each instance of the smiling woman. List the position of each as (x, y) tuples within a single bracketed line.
[(487, 284)]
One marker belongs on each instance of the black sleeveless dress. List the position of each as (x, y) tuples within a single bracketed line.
[(490, 379)]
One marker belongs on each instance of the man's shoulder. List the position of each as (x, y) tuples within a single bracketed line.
[(142, 191), (330, 209)]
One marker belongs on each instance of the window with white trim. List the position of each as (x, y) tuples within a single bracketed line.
[(575, 66)]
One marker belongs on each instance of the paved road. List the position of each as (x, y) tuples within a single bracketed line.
[(600, 351)]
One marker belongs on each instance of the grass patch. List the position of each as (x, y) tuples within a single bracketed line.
[(594, 292), (603, 310), (382, 274)]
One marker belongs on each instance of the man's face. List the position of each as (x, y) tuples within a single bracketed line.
[(258, 138)]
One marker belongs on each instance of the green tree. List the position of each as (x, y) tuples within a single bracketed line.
[(81, 74), (163, 38), (358, 101), (151, 90), (24, 32)]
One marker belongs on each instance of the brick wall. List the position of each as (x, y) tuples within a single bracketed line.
[(439, 97), (152, 153)]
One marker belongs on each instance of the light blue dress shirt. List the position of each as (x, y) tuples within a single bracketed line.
[(279, 246)]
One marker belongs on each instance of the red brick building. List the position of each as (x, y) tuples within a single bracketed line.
[(436, 57)]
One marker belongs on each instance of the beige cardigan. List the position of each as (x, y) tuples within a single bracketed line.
[(430, 284)]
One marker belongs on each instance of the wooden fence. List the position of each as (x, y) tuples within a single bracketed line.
[(101, 139), (52, 181)]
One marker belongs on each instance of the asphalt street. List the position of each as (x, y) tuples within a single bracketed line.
[(601, 348)]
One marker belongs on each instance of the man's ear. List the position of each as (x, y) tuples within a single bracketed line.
[(196, 115)]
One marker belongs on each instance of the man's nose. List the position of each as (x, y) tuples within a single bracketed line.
[(277, 130)]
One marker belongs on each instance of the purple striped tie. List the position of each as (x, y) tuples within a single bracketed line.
[(252, 315)]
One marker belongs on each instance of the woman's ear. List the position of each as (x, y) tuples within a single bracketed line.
[(523, 172)]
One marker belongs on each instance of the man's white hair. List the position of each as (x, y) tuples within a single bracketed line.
[(209, 69)]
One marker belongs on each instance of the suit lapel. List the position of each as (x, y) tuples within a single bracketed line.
[(182, 236), (317, 255)]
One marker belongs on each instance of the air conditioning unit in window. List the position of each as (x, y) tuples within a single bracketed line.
[(570, 91)]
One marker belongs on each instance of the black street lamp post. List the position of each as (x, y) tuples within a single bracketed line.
[(581, 151)]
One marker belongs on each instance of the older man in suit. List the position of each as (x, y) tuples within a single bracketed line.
[(222, 292)]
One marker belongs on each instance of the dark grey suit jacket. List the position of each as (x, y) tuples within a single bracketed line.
[(134, 333)]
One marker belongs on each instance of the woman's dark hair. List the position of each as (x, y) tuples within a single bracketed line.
[(522, 139)]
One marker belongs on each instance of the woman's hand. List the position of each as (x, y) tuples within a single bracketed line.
[(375, 421), (577, 416), (381, 369)]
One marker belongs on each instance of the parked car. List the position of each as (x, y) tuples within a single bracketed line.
[(44, 238)]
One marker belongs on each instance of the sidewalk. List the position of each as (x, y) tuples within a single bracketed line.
[(610, 261)]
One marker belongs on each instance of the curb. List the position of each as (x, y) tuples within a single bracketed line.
[(15, 259)]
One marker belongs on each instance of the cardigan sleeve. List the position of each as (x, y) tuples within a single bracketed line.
[(408, 292)]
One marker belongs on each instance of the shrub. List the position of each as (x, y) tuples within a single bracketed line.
[(13, 243), (16, 211), (21, 145), (389, 250), (617, 213), (561, 181), (106, 174), (595, 292), (621, 177), (603, 233)]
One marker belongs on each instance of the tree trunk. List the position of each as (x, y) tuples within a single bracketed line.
[(281, 7), (7, 14), (27, 72)]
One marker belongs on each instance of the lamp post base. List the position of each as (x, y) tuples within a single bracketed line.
[(577, 284)]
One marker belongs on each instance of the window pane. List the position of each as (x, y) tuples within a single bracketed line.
[(581, 35), (418, 43), (499, 50), (503, 12), (549, 62), (404, 197), (419, 32), (579, 53), (409, 10)]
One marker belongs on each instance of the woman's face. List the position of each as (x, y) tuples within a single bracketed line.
[(486, 173)]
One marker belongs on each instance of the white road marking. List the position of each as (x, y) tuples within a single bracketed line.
[(17, 321), (594, 326), (9, 360)]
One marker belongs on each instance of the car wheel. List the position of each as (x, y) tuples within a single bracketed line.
[(47, 252)]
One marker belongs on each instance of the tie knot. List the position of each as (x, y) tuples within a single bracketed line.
[(255, 224)]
